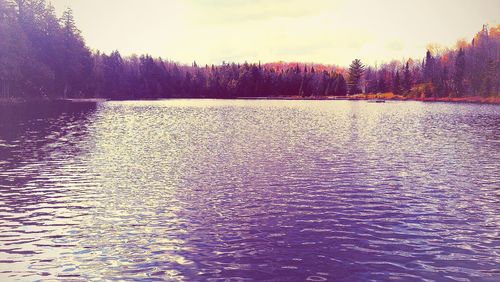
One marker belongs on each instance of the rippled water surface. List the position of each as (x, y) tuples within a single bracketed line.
[(258, 190)]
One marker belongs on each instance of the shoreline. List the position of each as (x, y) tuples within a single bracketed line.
[(385, 97), (358, 97), (477, 100)]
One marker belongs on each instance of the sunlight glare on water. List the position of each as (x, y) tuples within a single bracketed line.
[(250, 189)]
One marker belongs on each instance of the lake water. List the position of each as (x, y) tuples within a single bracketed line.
[(253, 190)]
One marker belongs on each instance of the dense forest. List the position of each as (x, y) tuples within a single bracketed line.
[(43, 56)]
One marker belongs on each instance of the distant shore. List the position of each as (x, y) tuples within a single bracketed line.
[(357, 97), (46, 100), (384, 96)]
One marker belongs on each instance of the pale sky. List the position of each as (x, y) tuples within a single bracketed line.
[(319, 31)]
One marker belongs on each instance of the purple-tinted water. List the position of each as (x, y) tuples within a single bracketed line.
[(254, 190)]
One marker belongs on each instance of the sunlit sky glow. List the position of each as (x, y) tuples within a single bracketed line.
[(320, 31)]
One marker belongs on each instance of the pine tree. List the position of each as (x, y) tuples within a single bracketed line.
[(397, 84), (381, 85), (68, 23), (356, 70), (458, 79), (487, 86), (428, 67), (407, 79), (341, 87), (75, 65)]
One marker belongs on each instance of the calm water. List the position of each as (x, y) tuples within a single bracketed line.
[(257, 190)]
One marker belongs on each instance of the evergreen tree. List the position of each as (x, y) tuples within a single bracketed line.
[(356, 70), (13, 51), (459, 73), (397, 84), (429, 67), (381, 85), (487, 86), (341, 88), (407, 79), (76, 63)]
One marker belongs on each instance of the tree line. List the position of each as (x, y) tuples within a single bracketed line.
[(471, 69), (43, 56)]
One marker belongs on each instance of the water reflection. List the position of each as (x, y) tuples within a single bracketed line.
[(262, 190), (38, 203)]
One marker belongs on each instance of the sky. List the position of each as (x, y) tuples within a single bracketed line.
[(312, 31)]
